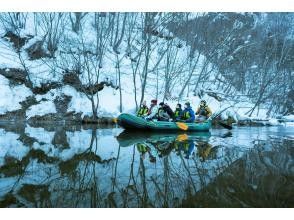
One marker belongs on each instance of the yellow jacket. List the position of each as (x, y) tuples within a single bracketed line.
[(207, 110)]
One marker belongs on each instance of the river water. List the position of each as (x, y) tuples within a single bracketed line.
[(75, 166)]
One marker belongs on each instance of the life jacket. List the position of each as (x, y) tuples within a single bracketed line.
[(203, 110), (177, 112), (142, 148), (176, 145), (142, 111), (186, 115), (186, 146), (160, 111)]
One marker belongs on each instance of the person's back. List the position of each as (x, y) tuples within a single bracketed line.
[(153, 110), (188, 114), (163, 112), (169, 111), (143, 110)]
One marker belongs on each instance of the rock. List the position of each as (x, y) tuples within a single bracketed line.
[(101, 120), (45, 87), (60, 138), (17, 41), (37, 51), (46, 117), (71, 117), (27, 140), (16, 76), (19, 76), (17, 115), (31, 100), (61, 103), (72, 79)]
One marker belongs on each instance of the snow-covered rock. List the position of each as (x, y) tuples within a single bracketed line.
[(41, 109)]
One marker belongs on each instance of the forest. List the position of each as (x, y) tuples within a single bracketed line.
[(227, 57)]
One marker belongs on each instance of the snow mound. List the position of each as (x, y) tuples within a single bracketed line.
[(288, 118), (41, 109)]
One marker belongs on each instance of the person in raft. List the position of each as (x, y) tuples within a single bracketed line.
[(165, 113), (143, 110), (188, 114), (152, 111), (203, 112), (178, 112)]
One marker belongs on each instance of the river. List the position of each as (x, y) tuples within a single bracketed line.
[(89, 166)]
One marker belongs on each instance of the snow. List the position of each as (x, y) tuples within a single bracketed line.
[(46, 69), (289, 118), (11, 96), (40, 134), (10, 146), (6, 184), (8, 57), (45, 107), (288, 124), (254, 67), (273, 122)]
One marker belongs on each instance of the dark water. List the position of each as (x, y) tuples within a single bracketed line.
[(73, 166)]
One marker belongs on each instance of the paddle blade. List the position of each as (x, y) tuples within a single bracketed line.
[(182, 137), (225, 125), (114, 120), (182, 126)]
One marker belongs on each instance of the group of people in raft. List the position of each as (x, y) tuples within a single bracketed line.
[(163, 112)]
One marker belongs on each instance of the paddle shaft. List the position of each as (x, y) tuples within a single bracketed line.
[(221, 123)]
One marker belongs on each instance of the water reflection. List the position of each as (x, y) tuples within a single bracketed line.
[(165, 143), (74, 166)]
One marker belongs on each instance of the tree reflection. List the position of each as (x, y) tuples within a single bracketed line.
[(161, 170)]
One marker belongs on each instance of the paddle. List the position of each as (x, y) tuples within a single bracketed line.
[(225, 125), (229, 127), (182, 126), (182, 137)]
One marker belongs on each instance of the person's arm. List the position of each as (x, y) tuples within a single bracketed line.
[(153, 112), (209, 112), (165, 116), (192, 116), (198, 110), (138, 112)]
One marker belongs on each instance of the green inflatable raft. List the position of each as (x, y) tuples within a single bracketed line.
[(131, 122), (129, 138)]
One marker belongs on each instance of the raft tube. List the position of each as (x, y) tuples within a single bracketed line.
[(131, 122)]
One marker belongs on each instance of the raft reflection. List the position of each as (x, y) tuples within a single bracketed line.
[(62, 167), (163, 144)]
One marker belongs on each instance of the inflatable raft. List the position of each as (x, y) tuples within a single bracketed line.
[(132, 122)]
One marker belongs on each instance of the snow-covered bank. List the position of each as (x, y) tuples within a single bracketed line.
[(86, 72)]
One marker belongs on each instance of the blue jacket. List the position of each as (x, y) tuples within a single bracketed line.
[(188, 115)]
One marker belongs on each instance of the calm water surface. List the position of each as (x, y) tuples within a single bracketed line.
[(74, 166)]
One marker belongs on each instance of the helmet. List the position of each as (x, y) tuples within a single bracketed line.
[(154, 101), (161, 104), (202, 102), (188, 104)]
